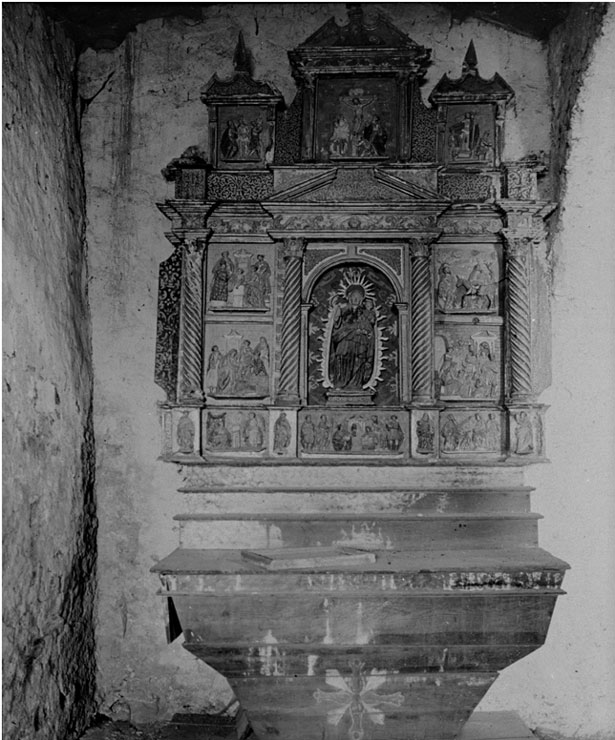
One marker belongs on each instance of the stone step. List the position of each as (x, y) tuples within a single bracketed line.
[(403, 501), (254, 476), (383, 531)]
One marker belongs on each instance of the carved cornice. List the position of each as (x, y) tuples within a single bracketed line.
[(523, 215), (380, 221)]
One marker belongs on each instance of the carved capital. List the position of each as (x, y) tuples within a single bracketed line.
[(519, 243), (195, 245), (293, 247), (420, 246)]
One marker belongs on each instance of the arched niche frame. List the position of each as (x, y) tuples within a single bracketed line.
[(352, 334)]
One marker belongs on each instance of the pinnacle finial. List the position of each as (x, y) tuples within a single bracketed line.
[(470, 62), (242, 59), (355, 13)]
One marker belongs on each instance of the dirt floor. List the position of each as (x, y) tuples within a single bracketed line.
[(181, 727)]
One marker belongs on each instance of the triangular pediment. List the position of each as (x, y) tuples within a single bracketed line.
[(359, 31), (360, 184)]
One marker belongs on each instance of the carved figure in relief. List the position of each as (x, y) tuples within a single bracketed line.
[(365, 135), (492, 433), (323, 433), (241, 371), (339, 141), (476, 292), (425, 435), (470, 370), (245, 140), (466, 142), (235, 431), (524, 434), (308, 434), (446, 289), (228, 142), (351, 359), (282, 434), (185, 434), (353, 433), (242, 281), (253, 433), (213, 363), (394, 434), (474, 433), (450, 434), (341, 440), (221, 273)]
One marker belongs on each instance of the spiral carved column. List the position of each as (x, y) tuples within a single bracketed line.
[(519, 319), (421, 335), (191, 325), (288, 385)]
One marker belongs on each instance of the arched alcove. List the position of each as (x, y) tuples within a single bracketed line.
[(352, 343)]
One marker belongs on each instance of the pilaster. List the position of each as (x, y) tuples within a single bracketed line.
[(190, 360), (288, 385)]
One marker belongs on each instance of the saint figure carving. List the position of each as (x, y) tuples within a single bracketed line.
[(351, 358), (185, 434)]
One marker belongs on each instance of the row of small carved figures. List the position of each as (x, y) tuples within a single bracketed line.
[(246, 431)]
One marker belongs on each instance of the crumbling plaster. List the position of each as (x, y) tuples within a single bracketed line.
[(144, 111)]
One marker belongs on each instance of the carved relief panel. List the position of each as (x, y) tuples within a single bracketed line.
[(239, 278), (356, 118), (468, 279), (469, 134)]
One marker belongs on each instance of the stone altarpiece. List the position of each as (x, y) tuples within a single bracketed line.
[(354, 284)]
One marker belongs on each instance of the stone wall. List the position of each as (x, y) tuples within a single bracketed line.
[(49, 545), (145, 112), (567, 689)]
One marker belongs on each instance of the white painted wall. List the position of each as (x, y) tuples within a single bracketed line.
[(567, 688)]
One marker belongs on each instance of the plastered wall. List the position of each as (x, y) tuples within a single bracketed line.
[(145, 110), (567, 689), (49, 524)]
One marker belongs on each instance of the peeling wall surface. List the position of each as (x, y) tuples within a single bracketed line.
[(143, 110), (49, 544)]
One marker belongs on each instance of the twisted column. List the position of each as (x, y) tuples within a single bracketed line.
[(191, 323), (288, 384), (518, 314), (421, 335)]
